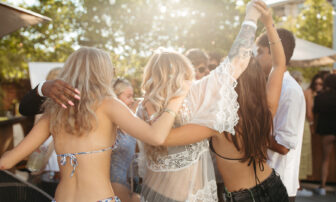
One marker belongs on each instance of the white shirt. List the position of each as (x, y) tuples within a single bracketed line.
[(52, 164), (288, 131)]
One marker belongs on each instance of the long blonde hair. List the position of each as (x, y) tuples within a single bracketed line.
[(163, 79), (91, 72)]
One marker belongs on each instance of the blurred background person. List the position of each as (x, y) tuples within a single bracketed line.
[(315, 87), (306, 161), (123, 155), (214, 60), (200, 61), (325, 112)]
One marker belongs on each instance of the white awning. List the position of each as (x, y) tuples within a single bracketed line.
[(308, 54), (13, 18)]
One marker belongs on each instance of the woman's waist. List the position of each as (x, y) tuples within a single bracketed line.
[(84, 189), (244, 177)]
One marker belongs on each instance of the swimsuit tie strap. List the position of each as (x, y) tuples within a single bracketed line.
[(73, 161)]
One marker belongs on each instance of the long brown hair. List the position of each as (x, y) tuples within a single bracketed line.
[(255, 119)]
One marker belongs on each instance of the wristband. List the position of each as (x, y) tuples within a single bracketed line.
[(39, 89), (251, 23)]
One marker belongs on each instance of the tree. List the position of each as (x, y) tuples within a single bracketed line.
[(315, 24), (42, 42)]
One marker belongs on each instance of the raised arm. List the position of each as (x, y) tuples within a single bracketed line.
[(274, 83), (241, 50), (31, 142)]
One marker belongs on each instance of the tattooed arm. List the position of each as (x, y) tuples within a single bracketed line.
[(241, 50)]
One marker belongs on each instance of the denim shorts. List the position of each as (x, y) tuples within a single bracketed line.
[(270, 190)]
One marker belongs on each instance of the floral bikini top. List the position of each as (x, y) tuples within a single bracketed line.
[(73, 159)]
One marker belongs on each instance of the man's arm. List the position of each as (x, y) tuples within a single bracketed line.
[(275, 146), (57, 90), (285, 135)]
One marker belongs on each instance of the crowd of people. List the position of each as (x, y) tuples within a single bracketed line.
[(206, 129)]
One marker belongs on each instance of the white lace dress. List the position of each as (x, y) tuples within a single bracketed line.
[(186, 173)]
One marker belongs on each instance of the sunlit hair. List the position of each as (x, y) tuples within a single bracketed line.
[(164, 76), (90, 71), (120, 85), (53, 74), (255, 119), (163, 79)]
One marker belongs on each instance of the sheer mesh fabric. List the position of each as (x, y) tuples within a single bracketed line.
[(186, 173)]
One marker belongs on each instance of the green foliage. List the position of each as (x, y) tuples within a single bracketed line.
[(42, 42), (315, 24)]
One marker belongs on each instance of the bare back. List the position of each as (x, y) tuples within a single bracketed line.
[(91, 178), (240, 175)]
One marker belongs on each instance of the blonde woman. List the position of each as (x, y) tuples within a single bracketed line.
[(123, 156), (84, 135), (186, 173)]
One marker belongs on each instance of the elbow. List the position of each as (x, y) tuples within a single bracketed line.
[(157, 141), (283, 151)]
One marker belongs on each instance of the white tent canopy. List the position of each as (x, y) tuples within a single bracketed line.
[(13, 18), (308, 54)]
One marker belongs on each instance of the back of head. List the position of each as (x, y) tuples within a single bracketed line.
[(90, 71), (164, 76), (197, 57), (287, 39), (255, 119)]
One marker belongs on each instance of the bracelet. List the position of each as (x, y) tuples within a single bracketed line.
[(274, 42), (170, 112)]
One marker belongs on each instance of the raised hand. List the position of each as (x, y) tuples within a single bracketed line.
[(265, 11), (251, 12), (60, 92)]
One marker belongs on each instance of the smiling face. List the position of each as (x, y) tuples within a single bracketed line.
[(127, 96)]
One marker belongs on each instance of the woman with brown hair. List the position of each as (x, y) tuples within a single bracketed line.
[(241, 158)]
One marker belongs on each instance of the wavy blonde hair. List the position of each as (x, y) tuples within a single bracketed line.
[(163, 79), (90, 70)]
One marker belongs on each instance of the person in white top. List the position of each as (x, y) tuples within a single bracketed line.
[(285, 148)]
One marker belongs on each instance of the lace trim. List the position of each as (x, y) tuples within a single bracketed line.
[(207, 194), (181, 160), (227, 114)]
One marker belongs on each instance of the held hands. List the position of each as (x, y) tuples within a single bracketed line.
[(252, 13), (60, 92), (265, 11)]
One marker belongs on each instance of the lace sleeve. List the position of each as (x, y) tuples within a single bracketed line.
[(212, 101)]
